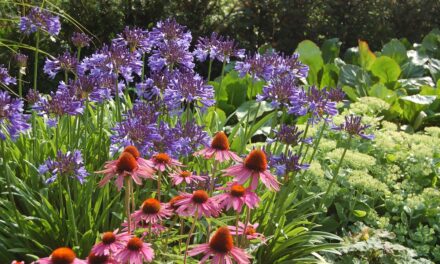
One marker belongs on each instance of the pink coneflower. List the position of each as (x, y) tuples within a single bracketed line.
[(185, 176), (155, 228), (17, 262), (62, 255), (137, 155), (251, 231), (111, 242), (162, 161), (219, 149), (125, 166), (151, 212), (254, 167), (200, 202), (136, 251), (236, 196), (95, 259), (221, 247), (173, 201)]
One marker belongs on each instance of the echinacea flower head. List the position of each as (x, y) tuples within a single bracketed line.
[(254, 168), (101, 259), (151, 212), (12, 120), (197, 204), (40, 19), (173, 201), (111, 243), (250, 230), (17, 262), (187, 177), (62, 255), (219, 149), (80, 40), (354, 127), (136, 251), (236, 196), (126, 165), (69, 164), (65, 62), (5, 78), (163, 161), (221, 248)]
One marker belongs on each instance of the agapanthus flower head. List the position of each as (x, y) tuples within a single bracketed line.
[(111, 243), (152, 211), (162, 161), (189, 90), (197, 204), (184, 176), (21, 60), (236, 196), (62, 255), (279, 91), (80, 40), (227, 48), (69, 164), (126, 165), (65, 62), (258, 66), (88, 88), (336, 94), (136, 251), (354, 127), (135, 38), (289, 135), (254, 168), (63, 102), (250, 230), (187, 138), (12, 120), (219, 149), (285, 163), (33, 96), (40, 19), (170, 31), (169, 56), (207, 47), (5, 78), (290, 66), (221, 247)]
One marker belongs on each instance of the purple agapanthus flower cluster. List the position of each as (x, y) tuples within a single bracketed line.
[(280, 91), (68, 164), (5, 78), (88, 88), (12, 119), (287, 163), (188, 138), (62, 102), (216, 47), (80, 40), (135, 38), (40, 19), (354, 127), (289, 135), (314, 101), (65, 62), (187, 89), (155, 86)]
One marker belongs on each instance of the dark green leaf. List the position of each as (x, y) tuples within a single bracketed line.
[(330, 49), (395, 50)]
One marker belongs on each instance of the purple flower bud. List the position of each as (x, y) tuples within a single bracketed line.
[(80, 40)]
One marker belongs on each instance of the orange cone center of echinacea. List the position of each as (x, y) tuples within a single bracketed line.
[(237, 190), (185, 174), (220, 141), (94, 259), (250, 231), (200, 196), (134, 244), (151, 206), (108, 238), (256, 160), (133, 151), (174, 200), (126, 162), (62, 255), (162, 158), (222, 241)]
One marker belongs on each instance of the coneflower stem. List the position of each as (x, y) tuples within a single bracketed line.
[(127, 202), (237, 237), (165, 245), (159, 176), (335, 175), (193, 226), (180, 233), (212, 183), (246, 223)]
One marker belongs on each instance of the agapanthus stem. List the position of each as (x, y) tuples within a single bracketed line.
[(118, 101), (71, 212), (127, 202), (101, 124), (37, 50), (20, 84), (303, 138), (143, 67), (221, 80), (193, 226), (209, 69), (315, 147), (86, 123)]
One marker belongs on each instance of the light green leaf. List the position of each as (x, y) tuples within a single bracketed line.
[(310, 54), (359, 213), (366, 56), (386, 69)]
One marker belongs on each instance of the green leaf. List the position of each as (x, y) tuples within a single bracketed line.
[(329, 76), (434, 69), (330, 49), (395, 50), (379, 90), (431, 43), (420, 99), (366, 56), (351, 56), (411, 70), (386, 69), (310, 54), (413, 85), (251, 108), (359, 213), (356, 77)]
